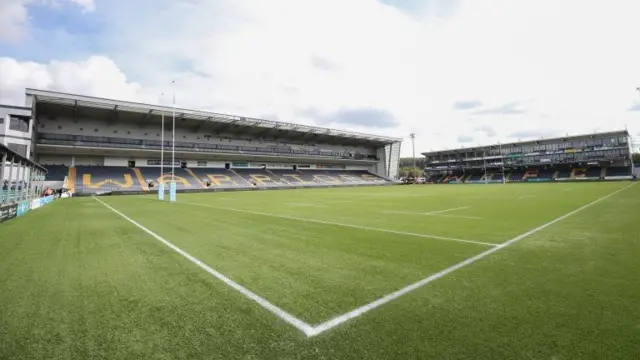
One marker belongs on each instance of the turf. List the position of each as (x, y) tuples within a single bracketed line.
[(77, 281)]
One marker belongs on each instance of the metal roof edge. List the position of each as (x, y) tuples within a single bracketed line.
[(604, 133), (207, 115)]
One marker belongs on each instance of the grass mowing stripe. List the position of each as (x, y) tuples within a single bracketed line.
[(297, 323), (341, 224), (387, 298)]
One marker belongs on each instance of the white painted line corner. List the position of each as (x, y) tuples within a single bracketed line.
[(283, 315), (327, 325)]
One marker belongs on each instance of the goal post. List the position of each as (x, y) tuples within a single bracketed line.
[(172, 191), (161, 190)]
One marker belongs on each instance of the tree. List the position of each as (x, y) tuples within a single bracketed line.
[(408, 162), (636, 158), (410, 171)]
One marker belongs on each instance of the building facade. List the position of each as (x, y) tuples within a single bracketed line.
[(608, 151)]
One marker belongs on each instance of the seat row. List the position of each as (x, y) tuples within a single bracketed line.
[(96, 179)]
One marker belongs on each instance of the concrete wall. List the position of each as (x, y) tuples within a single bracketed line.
[(46, 159), (143, 162), (8, 136)]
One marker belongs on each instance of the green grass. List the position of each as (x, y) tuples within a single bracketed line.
[(78, 281)]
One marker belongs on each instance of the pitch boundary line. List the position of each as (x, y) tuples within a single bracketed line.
[(327, 325), (430, 214), (436, 213), (310, 330), (398, 232), (283, 315), (526, 197), (447, 210)]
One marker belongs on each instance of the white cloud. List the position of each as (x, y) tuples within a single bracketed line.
[(560, 67), (97, 76), (86, 5), (13, 19), (14, 16)]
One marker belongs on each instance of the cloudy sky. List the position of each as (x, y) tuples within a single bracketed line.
[(455, 72)]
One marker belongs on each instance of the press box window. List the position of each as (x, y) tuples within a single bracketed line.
[(19, 123)]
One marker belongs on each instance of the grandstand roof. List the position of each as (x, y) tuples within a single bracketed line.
[(229, 123), (530, 142), (17, 158)]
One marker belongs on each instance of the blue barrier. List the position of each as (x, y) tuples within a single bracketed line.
[(23, 208), (538, 180), (46, 200)]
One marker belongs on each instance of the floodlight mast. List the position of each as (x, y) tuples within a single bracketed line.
[(504, 180), (413, 145), (484, 159)]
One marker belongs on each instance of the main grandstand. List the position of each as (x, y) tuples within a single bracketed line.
[(94, 145), (597, 156)]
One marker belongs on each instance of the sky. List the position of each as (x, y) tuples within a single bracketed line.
[(457, 73)]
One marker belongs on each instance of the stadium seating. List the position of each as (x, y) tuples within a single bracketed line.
[(530, 174), (546, 174), (183, 178), (618, 171), (96, 179), (578, 173), (475, 175), (219, 178), (516, 175), (259, 177), (594, 172), (563, 173), (56, 172)]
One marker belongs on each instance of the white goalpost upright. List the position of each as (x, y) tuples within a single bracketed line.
[(172, 184), (161, 184)]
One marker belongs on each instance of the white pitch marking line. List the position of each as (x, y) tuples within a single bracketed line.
[(292, 320), (342, 224), (374, 195), (305, 205), (447, 210), (430, 214), (458, 216), (526, 196), (318, 329)]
